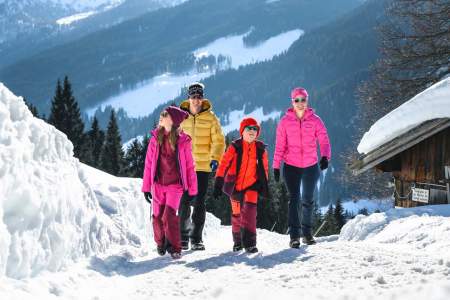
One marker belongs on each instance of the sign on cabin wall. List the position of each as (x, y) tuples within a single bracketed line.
[(420, 195)]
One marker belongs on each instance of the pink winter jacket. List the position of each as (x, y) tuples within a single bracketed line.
[(185, 164), (296, 141)]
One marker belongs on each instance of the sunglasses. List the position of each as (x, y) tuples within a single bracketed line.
[(255, 128), (196, 97), (297, 100), (164, 114)]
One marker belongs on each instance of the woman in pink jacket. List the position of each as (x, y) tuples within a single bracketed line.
[(296, 144), (169, 171)]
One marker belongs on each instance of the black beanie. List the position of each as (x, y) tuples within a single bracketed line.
[(196, 89)]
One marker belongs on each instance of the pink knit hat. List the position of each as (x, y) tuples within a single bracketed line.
[(299, 92), (177, 115)]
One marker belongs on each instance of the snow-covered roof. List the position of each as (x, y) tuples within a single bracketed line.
[(432, 103)]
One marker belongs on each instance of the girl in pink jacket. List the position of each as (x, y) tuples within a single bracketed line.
[(169, 171), (296, 144)]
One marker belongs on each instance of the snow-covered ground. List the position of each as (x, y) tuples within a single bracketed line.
[(432, 103), (143, 100), (68, 231)]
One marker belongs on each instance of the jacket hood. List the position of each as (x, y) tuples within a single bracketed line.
[(206, 105)]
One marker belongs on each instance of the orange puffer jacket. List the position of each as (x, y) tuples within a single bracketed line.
[(244, 167)]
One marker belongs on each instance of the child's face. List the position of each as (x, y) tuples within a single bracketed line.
[(250, 133)]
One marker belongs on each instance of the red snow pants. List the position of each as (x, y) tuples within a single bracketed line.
[(243, 219)]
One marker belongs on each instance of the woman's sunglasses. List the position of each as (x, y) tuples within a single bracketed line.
[(297, 100), (164, 114), (255, 128)]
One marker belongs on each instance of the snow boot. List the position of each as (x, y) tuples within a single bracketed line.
[(198, 246), (251, 249), (308, 240), (184, 245), (175, 255), (237, 247), (294, 243), (161, 250)]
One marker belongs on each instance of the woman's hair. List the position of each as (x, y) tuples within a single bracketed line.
[(173, 136)]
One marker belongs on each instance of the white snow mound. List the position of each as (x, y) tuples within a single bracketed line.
[(426, 227), (432, 103), (49, 215)]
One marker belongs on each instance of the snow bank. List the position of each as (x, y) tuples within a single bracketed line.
[(49, 214), (430, 104), (421, 227)]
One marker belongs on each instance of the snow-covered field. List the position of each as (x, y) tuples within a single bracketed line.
[(68, 231), (143, 100), (234, 118)]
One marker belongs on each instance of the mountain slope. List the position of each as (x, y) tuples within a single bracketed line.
[(34, 26), (101, 64)]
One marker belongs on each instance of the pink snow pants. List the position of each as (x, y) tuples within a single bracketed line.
[(166, 222)]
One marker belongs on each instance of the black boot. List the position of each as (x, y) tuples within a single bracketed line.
[(251, 249), (308, 240), (161, 250), (237, 247), (294, 243), (184, 245), (197, 246)]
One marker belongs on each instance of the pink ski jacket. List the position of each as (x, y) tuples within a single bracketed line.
[(296, 140), (186, 165)]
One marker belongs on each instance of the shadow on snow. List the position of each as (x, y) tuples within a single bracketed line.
[(121, 265)]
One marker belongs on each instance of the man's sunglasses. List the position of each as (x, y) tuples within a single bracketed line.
[(196, 97), (255, 128), (164, 114), (297, 100)]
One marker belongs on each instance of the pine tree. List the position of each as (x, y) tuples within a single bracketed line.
[(96, 138), (339, 216), (317, 218), (111, 160), (32, 108), (330, 225), (74, 123), (57, 111), (134, 160), (65, 115)]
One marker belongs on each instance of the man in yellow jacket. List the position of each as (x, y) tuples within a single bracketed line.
[(208, 145)]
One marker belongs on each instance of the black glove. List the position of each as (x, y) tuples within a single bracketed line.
[(323, 163), (213, 165), (218, 185), (148, 197), (276, 174)]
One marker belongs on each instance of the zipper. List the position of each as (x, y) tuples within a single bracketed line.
[(301, 142)]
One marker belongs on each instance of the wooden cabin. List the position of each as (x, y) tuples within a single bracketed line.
[(419, 161)]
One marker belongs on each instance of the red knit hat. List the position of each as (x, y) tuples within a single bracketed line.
[(177, 115), (249, 122)]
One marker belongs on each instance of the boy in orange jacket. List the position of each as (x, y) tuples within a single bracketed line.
[(242, 175)]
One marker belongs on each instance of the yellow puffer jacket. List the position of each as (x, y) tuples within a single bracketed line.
[(208, 142)]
